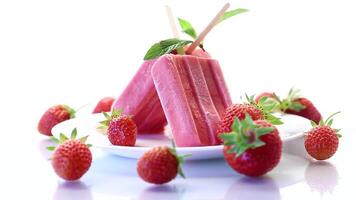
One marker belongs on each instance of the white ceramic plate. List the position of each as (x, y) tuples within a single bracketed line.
[(292, 129)]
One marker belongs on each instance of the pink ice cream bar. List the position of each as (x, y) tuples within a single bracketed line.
[(139, 99), (193, 95)]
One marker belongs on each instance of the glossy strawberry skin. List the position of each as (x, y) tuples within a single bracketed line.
[(237, 110), (52, 117), (122, 131), (158, 166), (310, 111), (321, 142), (71, 160), (258, 161), (104, 105)]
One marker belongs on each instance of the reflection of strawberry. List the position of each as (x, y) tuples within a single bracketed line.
[(322, 141), (256, 111), (252, 148), (71, 158), (321, 176), (160, 165), (104, 105), (54, 116)]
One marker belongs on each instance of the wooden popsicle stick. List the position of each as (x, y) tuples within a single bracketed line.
[(172, 23), (210, 26)]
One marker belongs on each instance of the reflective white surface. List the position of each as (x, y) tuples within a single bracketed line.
[(76, 52), (113, 177)]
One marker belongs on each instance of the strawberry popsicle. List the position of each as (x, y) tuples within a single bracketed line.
[(193, 95), (139, 99)]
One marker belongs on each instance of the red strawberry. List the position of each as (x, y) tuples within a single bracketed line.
[(160, 165), (71, 158), (253, 148), (322, 141), (260, 110), (294, 104), (308, 109), (122, 130), (54, 116), (239, 111), (104, 105)]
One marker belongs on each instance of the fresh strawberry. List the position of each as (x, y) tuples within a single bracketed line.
[(293, 104), (108, 117), (54, 116), (260, 110), (239, 111), (253, 148), (72, 157), (160, 165), (121, 130), (321, 141), (104, 105), (307, 110)]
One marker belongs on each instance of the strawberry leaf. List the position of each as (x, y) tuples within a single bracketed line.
[(70, 110), (313, 123), (330, 122), (55, 140), (62, 138), (180, 159), (245, 134), (115, 113), (83, 139), (296, 106), (107, 116), (74, 134), (51, 148)]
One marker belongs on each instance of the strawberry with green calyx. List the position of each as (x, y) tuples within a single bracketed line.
[(120, 129), (108, 117), (260, 110), (294, 104), (72, 157), (291, 102), (271, 98), (322, 141), (160, 165), (252, 148), (53, 116), (266, 107)]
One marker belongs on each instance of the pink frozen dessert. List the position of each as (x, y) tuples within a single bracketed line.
[(193, 95), (140, 100)]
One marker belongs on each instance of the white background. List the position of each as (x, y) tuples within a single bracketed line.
[(76, 52)]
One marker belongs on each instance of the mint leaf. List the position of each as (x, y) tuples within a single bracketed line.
[(232, 13), (164, 47), (187, 28)]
